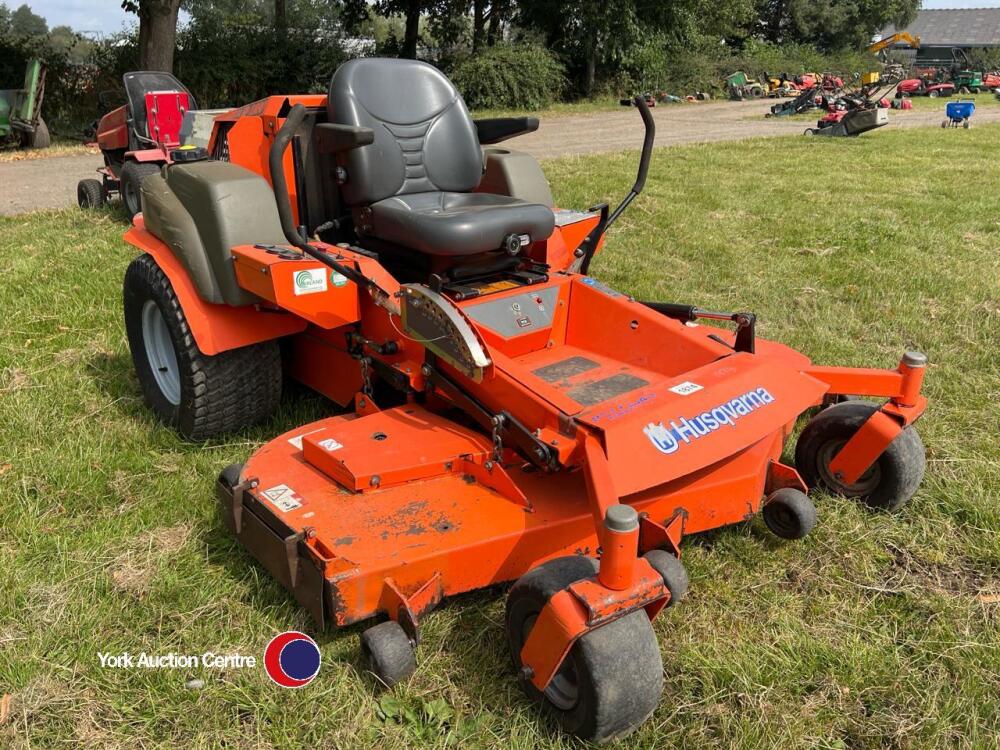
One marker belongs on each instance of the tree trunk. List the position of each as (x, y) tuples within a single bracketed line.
[(412, 34), (497, 10), (478, 24), (157, 34), (591, 69), (280, 14)]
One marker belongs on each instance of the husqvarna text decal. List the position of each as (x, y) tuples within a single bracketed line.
[(681, 431)]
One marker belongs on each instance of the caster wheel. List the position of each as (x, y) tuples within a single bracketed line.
[(674, 575), (230, 476), (887, 485), (612, 678), (789, 513), (388, 653)]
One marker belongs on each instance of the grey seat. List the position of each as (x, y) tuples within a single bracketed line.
[(413, 185)]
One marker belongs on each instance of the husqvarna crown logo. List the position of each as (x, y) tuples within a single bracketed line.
[(668, 438)]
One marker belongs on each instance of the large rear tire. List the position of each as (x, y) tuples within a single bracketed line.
[(37, 138), (198, 395), (612, 678), (133, 173)]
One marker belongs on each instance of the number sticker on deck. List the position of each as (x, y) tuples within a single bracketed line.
[(283, 497), (686, 388)]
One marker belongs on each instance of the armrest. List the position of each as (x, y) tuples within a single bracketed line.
[(333, 138), (501, 128)]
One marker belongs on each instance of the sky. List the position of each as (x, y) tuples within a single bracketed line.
[(107, 16)]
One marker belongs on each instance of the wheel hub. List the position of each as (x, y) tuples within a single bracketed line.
[(563, 691), (160, 352), (864, 486)]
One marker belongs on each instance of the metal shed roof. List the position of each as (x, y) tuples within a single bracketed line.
[(960, 27)]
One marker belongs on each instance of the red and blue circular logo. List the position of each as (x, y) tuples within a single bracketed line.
[(292, 659)]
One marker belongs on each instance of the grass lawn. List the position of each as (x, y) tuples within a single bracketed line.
[(875, 631)]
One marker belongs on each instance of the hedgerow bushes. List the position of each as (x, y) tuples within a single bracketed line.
[(510, 76), (226, 65), (657, 66)]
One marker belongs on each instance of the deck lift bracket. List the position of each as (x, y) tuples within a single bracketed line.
[(507, 426)]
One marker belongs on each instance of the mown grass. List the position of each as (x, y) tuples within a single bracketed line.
[(875, 631)]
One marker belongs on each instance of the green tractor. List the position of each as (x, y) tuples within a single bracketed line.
[(966, 80), (740, 86), (21, 109)]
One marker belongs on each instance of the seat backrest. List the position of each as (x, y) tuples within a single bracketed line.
[(425, 140), (138, 83)]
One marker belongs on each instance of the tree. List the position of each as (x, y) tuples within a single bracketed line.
[(356, 11), (832, 24), (157, 31), (25, 23)]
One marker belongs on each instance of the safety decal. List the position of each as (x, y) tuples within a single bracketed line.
[(283, 497), (296, 442), (681, 431), (330, 445), (310, 281)]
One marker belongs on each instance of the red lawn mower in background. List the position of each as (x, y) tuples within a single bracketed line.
[(921, 87), (137, 138)]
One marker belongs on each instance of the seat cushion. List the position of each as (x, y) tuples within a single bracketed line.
[(454, 224)]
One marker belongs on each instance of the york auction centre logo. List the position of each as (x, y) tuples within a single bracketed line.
[(292, 659)]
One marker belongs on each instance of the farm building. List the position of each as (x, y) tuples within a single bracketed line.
[(941, 30)]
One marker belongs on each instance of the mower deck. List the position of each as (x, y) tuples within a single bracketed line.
[(460, 529)]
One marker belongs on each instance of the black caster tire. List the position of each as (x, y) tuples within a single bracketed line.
[(612, 678), (388, 653), (230, 476), (133, 173), (672, 571), (789, 513), (198, 395), (90, 194), (890, 482)]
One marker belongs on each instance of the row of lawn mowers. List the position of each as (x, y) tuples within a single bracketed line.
[(497, 414), (849, 111), (740, 86), (959, 78)]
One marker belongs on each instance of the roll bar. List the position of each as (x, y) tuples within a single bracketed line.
[(589, 245)]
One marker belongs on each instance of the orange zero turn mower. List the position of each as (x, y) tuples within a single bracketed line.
[(509, 418)]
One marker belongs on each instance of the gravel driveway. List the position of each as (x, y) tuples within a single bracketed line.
[(51, 183)]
